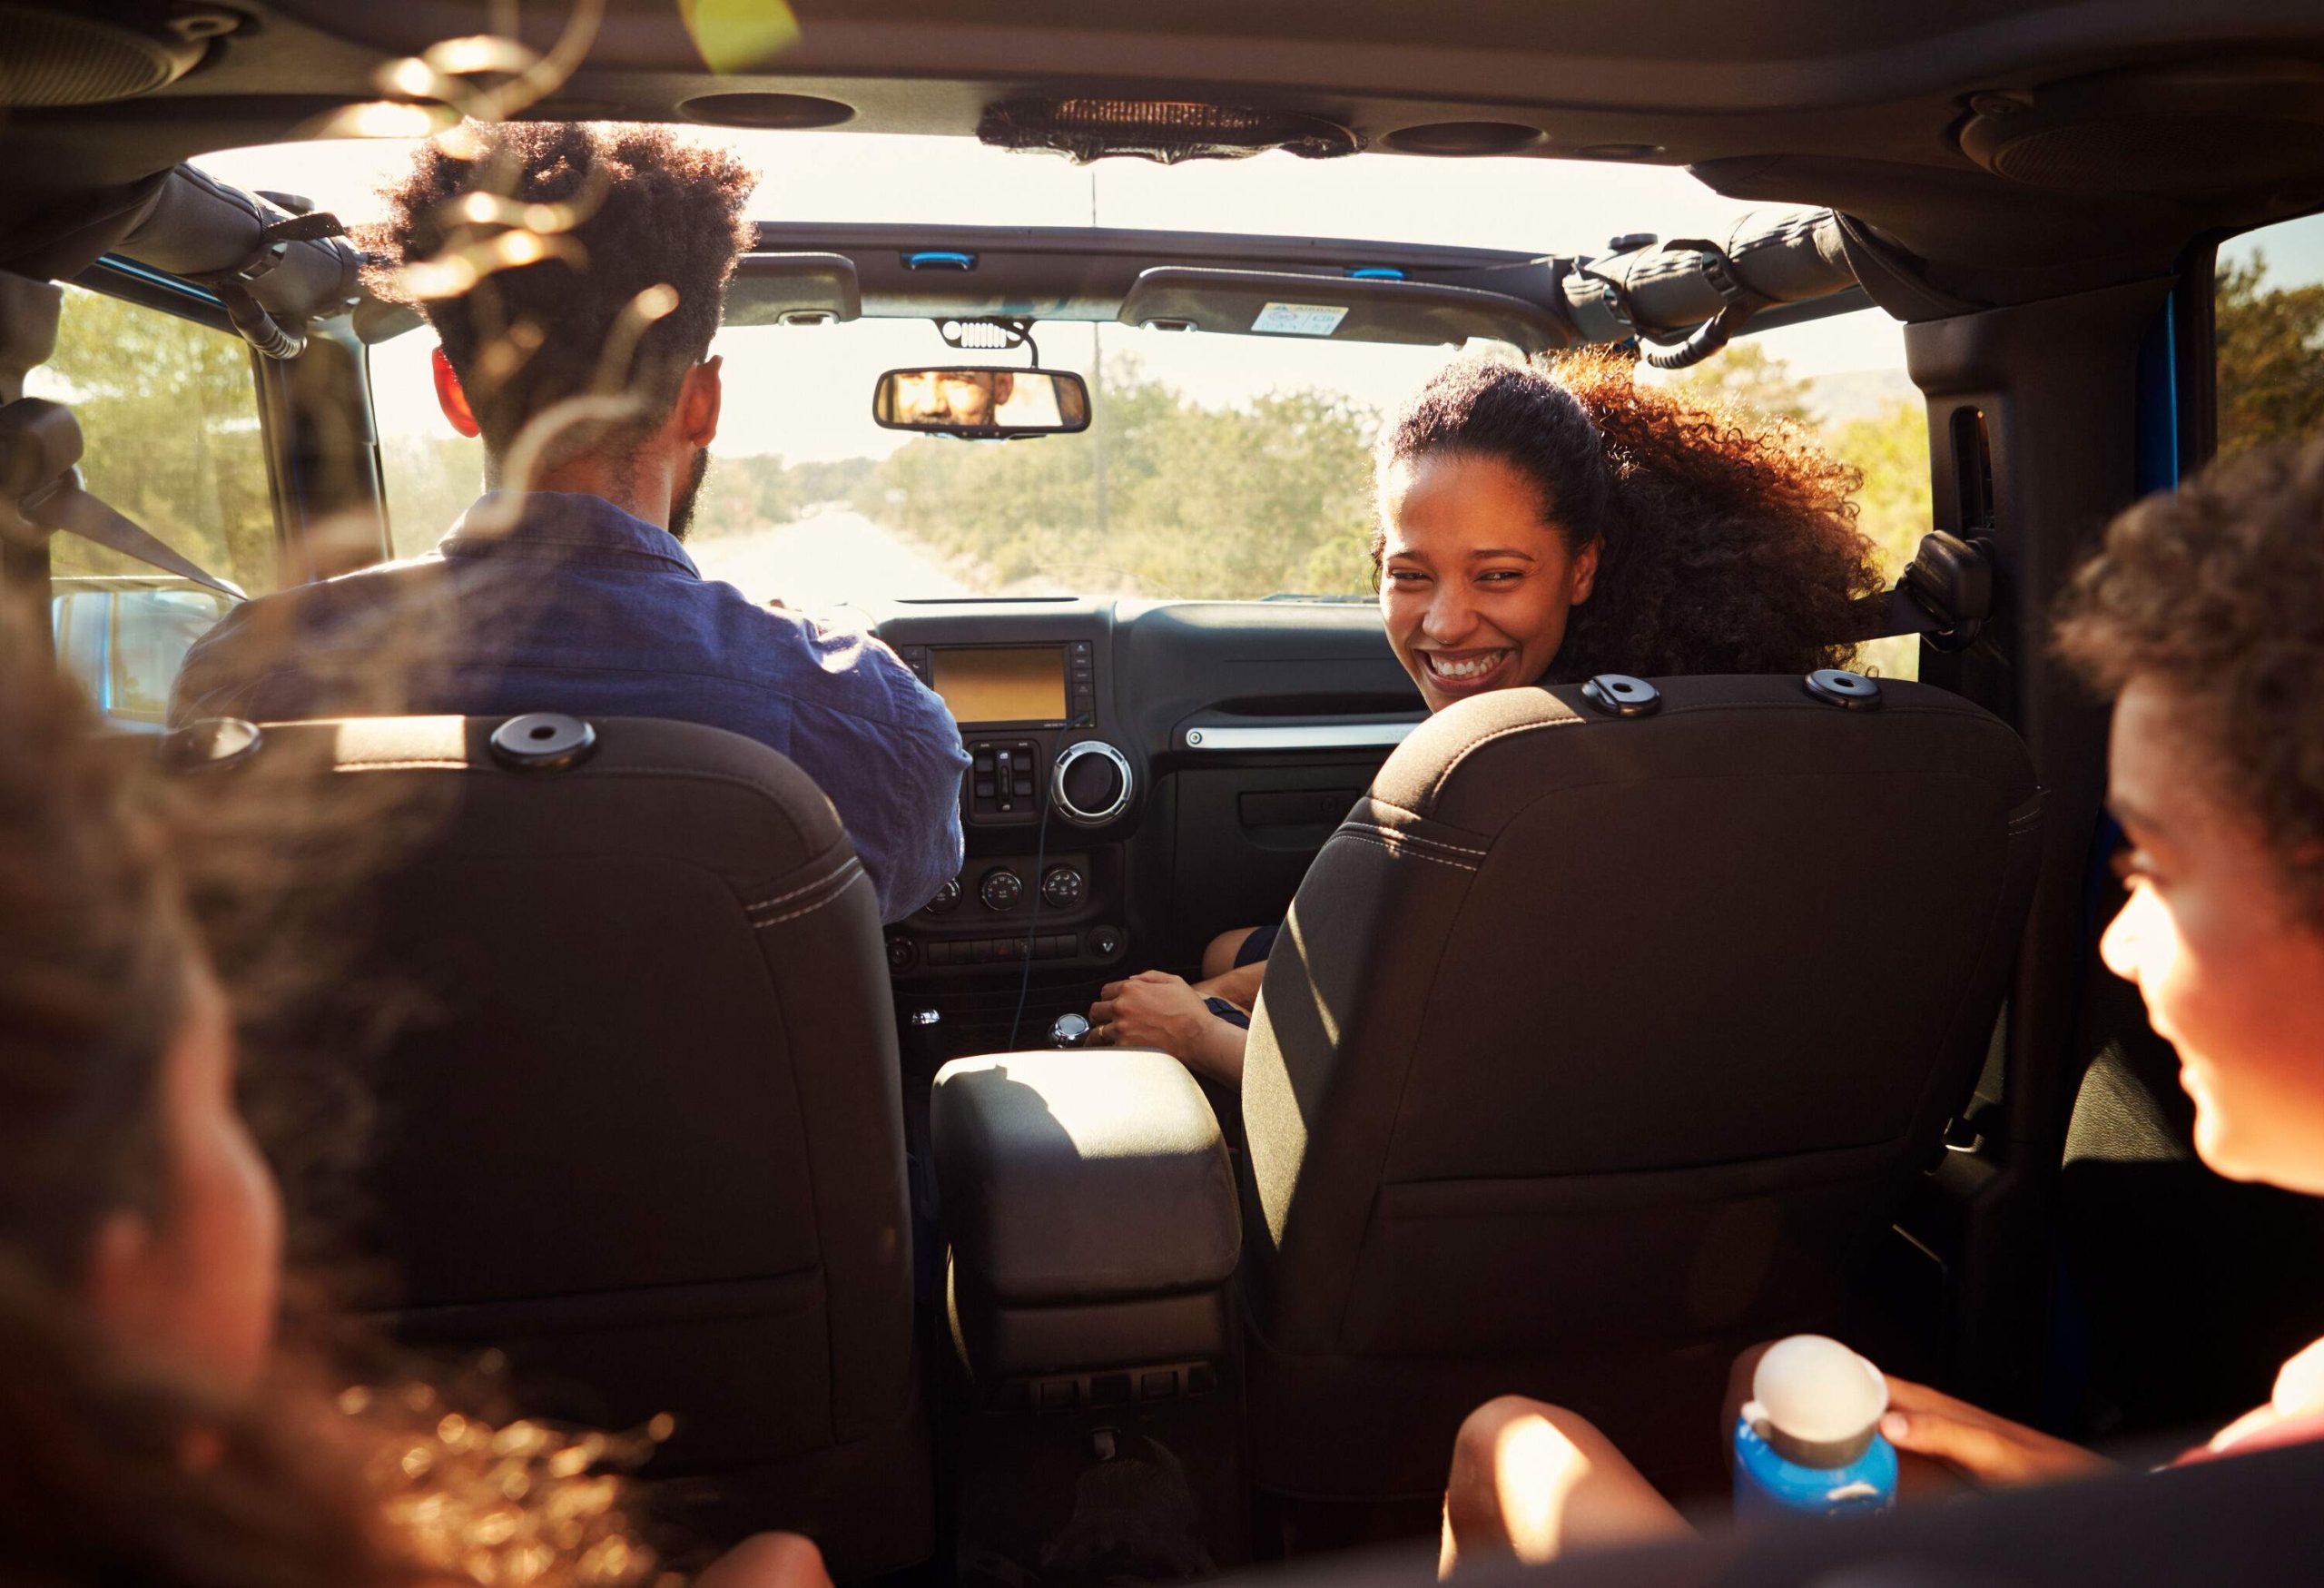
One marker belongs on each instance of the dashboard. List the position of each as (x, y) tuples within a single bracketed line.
[(1142, 776)]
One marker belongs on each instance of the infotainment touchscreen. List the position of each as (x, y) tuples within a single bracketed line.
[(1016, 684)]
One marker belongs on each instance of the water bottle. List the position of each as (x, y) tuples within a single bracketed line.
[(1809, 1441)]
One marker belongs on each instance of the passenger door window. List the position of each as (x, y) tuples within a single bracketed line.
[(2268, 309), (172, 438)]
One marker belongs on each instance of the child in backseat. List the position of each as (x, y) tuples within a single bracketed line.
[(2200, 618)]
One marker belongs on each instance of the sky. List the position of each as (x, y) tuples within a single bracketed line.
[(776, 378), (774, 375)]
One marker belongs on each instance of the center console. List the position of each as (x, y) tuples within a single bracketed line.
[(1092, 1224), (1048, 801)]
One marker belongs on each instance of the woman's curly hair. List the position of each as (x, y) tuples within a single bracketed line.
[(1727, 543), (2216, 592)]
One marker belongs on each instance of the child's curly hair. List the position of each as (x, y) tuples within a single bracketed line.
[(121, 884), (1727, 543), (2216, 592)]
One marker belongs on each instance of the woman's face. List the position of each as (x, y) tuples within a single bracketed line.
[(196, 1284), (1475, 585), (2232, 976)]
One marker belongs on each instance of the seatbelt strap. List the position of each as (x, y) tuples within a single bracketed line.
[(68, 508), (1946, 595), (1895, 611), (40, 487)]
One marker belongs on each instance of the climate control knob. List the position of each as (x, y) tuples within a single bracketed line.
[(1000, 890), (1062, 888), (947, 899)]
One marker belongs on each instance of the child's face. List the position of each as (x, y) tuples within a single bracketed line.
[(2232, 974)]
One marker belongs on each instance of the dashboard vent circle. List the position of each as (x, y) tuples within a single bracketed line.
[(1092, 783)]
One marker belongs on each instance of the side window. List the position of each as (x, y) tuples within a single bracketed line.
[(2268, 304), (1845, 380), (153, 629), (171, 437)]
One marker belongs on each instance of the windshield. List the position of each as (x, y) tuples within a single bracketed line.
[(1215, 467), (1206, 470)]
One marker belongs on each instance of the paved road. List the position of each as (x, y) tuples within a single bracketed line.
[(828, 558)]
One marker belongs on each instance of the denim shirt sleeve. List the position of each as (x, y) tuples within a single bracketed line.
[(898, 789)]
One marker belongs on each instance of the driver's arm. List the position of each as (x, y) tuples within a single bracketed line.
[(1238, 986)]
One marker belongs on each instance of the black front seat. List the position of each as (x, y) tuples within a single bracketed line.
[(1600, 1046), (646, 1139)]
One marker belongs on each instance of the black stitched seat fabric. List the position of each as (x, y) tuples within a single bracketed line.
[(646, 1135), (1596, 1048)]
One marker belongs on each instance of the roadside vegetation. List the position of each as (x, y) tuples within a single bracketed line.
[(1165, 496)]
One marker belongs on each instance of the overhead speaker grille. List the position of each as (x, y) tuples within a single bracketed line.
[(2211, 155), (2224, 128), (1164, 130), (50, 59)]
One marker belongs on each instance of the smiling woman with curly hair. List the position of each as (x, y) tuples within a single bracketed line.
[(1679, 538), (1546, 524)]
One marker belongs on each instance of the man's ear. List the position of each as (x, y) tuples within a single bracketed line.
[(700, 396), (451, 397)]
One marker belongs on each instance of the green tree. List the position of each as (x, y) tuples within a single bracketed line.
[(169, 416), (1220, 501), (1894, 505), (2270, 359), (431, 481), (1745, 375)]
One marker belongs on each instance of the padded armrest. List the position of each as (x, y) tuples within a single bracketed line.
[(1073, 1177)]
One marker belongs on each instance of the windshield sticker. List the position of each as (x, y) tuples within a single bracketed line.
[(1300, 319)]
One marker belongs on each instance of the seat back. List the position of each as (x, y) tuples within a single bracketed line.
[(645, 1134), (1600, 1045)]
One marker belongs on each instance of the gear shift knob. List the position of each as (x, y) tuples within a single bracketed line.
[(1069, 1031)]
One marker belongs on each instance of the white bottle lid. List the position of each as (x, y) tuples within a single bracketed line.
[(1817, 1391)]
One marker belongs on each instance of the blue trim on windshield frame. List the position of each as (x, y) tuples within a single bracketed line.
[(161, 278)]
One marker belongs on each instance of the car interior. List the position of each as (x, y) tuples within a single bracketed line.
[(1612, 1027)]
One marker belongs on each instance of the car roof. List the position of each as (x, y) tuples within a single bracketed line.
[(2014, 151)]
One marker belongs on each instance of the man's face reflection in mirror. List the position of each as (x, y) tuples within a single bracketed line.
[(968, 398), (972, 396)]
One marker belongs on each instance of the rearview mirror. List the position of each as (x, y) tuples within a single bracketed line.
[(983, 403)]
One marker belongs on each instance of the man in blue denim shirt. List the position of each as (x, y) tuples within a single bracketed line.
[(582, 607), (575, 595)]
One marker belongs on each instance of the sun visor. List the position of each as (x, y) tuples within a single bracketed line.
[(793, 289), (1352, 309)]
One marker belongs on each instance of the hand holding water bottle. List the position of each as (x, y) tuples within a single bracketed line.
[(1979, 1445)]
